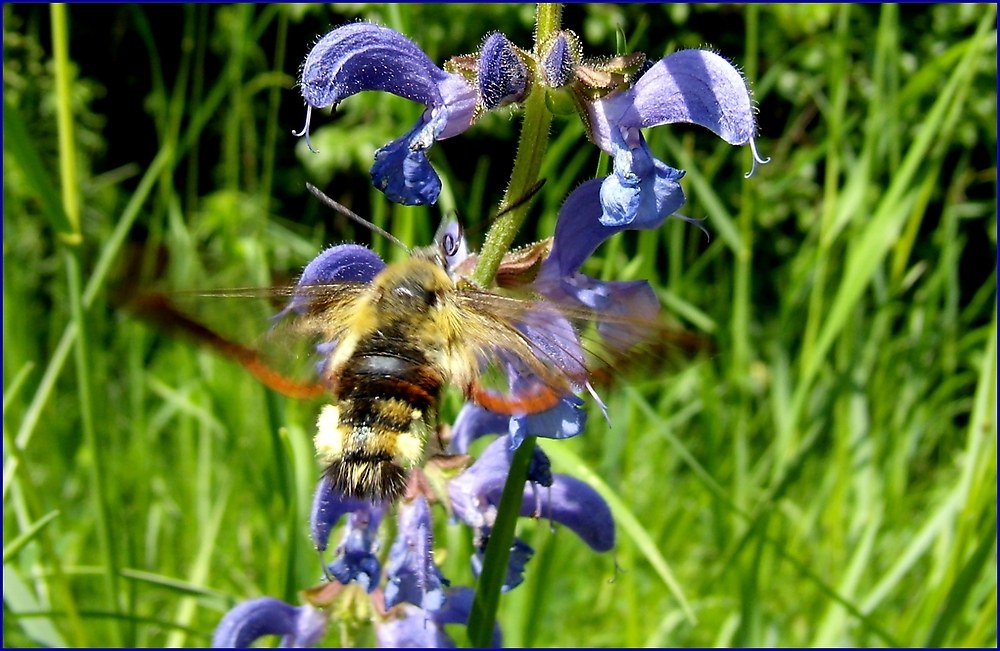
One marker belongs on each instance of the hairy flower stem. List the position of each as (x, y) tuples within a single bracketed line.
[(527, 162), (523, 177)]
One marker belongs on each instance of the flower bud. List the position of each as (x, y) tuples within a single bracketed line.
[(502, 76)]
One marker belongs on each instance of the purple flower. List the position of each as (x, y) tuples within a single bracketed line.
[(472, 422), (340, 263), (299, 626), (422, 629), (362, 56), (580, 229), (565, 420), (555, 342), (327, 507), (475, 496), (694, 86), (357, 558), (412, 576)]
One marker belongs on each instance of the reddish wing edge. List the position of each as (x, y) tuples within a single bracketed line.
[(158, 309)]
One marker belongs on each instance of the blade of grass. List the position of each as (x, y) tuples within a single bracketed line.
[(875, 240), (832, 625), (200, 566), (24, 154), (14, 546), (64, 116), (628, 521), (12, 391), (107, 541), (960, 591), (176, 585), (19, 599), (104, 614), (915, 548), (98, 466)]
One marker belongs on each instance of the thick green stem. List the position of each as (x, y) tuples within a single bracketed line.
[(524, 176), (491, 580)]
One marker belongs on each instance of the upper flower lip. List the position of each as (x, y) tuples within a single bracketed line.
[(341, 263), (694, 86), (363, 56), (327, 508)]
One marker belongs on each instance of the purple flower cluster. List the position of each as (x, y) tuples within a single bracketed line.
[(410, 597), (614, 99), (413, 593), (416, 600)]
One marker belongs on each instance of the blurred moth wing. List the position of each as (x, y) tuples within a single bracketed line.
[(392, 344)]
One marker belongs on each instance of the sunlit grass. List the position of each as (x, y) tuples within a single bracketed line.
[(825, 476)]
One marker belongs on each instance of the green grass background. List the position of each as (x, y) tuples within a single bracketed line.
[(827, 476)]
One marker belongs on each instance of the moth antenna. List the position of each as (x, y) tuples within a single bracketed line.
[(350, 214)]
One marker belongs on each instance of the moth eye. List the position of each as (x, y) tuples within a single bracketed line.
[(430, 298)]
